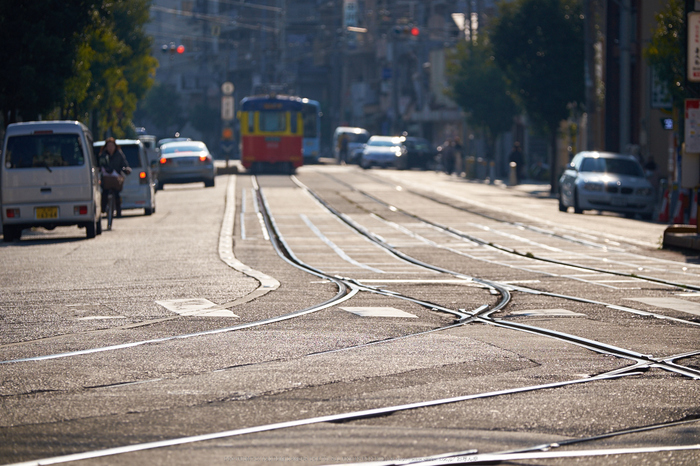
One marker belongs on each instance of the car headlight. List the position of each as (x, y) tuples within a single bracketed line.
[(593, 186), (644, 191)]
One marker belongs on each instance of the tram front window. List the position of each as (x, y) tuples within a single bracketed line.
[(272, 122)]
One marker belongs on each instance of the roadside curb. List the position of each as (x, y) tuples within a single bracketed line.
[(682, 236)]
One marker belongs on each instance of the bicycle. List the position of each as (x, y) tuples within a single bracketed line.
[(110, 208), (111, 185)]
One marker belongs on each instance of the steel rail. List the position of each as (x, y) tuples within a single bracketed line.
[(484, 314), (502, 290), (507, 249), (459, 234), (349, 416)]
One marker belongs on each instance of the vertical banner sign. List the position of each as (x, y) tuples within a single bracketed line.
[(227, 107), (693, 58), (692, 126)]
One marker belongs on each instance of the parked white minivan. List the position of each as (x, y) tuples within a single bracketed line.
[(49, 177)]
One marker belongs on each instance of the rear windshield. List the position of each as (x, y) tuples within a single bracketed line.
[(132, 155), (359, 138), (44, 150), (182, 148)]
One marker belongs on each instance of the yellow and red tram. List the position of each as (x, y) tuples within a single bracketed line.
[(272, 132)]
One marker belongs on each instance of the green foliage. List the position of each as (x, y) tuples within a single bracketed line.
[(539, 44), (40, 51), (479, 87), (665, 50), (115, 69), (90, 59)]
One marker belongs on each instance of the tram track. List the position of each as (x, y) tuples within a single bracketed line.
[(512, 251), (348, 288), (483, 315)]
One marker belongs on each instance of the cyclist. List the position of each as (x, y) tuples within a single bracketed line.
[(113, 163)]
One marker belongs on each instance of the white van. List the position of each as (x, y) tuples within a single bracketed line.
[(139, 186), (49, 178), (356, 137)]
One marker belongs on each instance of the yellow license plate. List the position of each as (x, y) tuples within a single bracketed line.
[(47, 212)]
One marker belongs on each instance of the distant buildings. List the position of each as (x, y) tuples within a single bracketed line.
[(380, 64)]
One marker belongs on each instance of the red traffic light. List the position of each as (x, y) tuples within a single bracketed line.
[(180, 49), (415, 32)]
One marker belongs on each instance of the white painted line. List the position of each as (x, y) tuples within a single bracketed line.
[(101, 317), (242, 216), (671, 303), (199, 307), (378, 312), (335, 247), (267, 283), (419, 281), (547, 313)]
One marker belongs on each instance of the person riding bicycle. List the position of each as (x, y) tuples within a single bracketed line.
[(112, 162)]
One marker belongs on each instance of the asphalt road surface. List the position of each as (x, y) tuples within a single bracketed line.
[(343, 316)]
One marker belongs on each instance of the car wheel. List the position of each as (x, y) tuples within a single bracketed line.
[(148, 211), (209, 184), (91, 229), (562, 207), (98, 225), (10, 233), (577, 209)]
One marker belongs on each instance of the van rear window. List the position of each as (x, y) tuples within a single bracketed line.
[(44, 150), (132, 155)]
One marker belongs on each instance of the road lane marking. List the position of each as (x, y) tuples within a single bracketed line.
[(547, 313), (335, 247), (378, 312), (198, 307), (676, 304)]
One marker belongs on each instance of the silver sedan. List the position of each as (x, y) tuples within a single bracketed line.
[(606, 181), (384, 151), (185, 162)]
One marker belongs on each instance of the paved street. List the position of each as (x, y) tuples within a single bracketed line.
[(348, 316)]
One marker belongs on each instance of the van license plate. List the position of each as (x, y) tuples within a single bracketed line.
[(47, 212)]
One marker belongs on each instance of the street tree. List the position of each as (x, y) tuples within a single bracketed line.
[(115, 69), (539, 44), (664, 52), (40, 49), (479, 87)]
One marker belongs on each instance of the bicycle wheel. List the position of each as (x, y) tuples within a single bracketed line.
[(110, 209)]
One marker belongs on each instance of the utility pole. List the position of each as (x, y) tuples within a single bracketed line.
[(625, 85), (590, 9)]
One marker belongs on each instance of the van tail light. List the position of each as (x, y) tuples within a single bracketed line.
[(164, 161), (143, 178), (12, 213), (80, 210)]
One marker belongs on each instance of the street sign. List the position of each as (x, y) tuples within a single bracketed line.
[(227, 107), (227, 146), (227, 88), (692, 126)]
